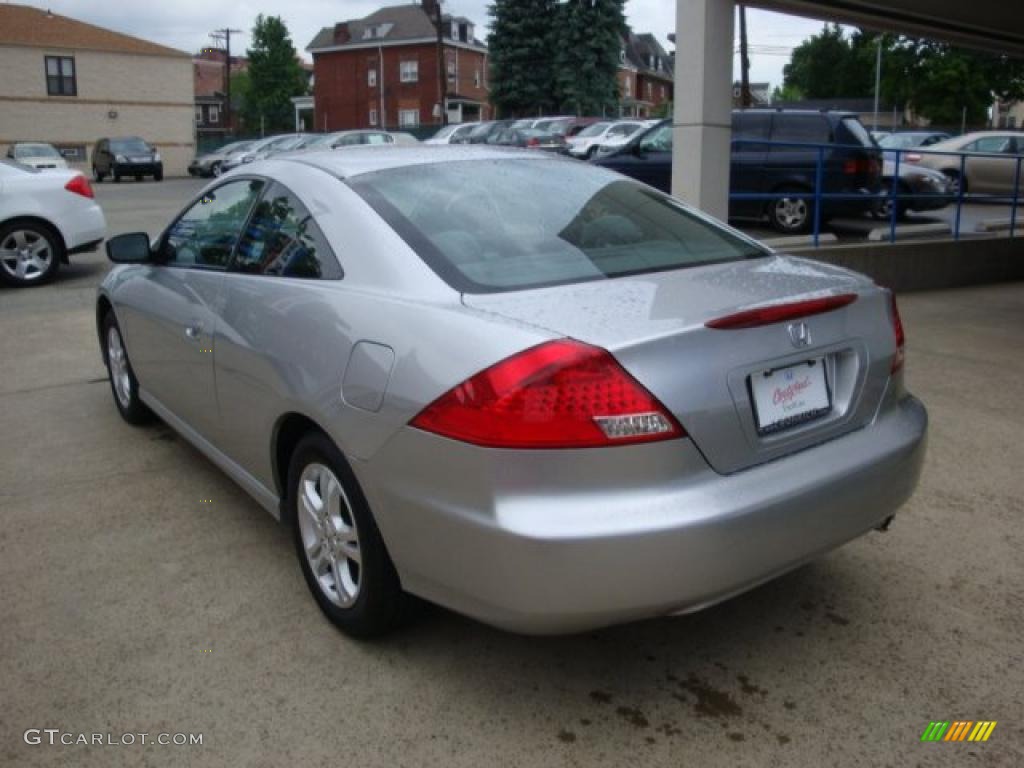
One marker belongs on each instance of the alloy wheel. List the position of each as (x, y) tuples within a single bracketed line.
[(330, 536), (790, 212), (26, 255), (117, 361)]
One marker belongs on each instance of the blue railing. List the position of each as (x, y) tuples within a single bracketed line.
[(826, 163)]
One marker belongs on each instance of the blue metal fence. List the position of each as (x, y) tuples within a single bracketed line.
[(895, 194)]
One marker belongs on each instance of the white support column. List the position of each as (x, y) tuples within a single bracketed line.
[(703, 104)]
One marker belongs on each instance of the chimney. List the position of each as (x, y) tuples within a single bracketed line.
[(431, 8), (341, 33)]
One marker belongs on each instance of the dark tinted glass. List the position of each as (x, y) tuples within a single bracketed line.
[(502, 225), (282, 240), (755, 125), (205, 235), (800, 128), (856, 133), (129, 145)]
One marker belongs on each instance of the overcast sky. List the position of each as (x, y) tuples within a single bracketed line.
[(185, 24)]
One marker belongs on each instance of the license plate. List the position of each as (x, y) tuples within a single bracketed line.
[(785, 397)]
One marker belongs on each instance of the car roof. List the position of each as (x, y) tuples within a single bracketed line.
[(356, 161)]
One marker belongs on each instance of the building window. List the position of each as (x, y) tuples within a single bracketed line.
[(648, 91), (408, 118), (476, 77), (409, 71), (628, 90), (60, 76), (663, 93), (451, 71), (213, 113), (371, 78), (373, 117), (199, 115)]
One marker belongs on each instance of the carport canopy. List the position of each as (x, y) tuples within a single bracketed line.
[(704, 54)]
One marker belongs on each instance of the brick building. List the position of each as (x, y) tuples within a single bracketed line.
[(382, 70), (69, 83), (208, 73), (646, 77)]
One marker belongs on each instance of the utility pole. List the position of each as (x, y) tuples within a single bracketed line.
[(878, 78), (746, 101), (225, 35), (442, 74)]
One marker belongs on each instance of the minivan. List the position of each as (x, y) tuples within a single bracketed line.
[(775, 151), (126, 156)]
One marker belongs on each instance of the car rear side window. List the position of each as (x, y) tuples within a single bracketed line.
[(205, 235), (810, 129), (282, 240), (857, 133), (501, 225)]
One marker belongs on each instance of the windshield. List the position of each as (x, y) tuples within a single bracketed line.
[(237, 146), (129, 145), (559, 126), (902, 140), (22, 151), (593, 130), (501, 225)]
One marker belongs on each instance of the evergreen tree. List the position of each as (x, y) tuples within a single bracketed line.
[(588, 40), (520, 50), (274, 76)]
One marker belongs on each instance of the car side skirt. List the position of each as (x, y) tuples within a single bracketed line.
[(264, 496)]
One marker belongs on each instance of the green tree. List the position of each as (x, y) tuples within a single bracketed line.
[(588, 38), (935, 80), (520, 51), (274, 76)]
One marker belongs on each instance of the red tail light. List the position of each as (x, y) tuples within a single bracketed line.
[(532, 142), (897, 328), (80, 186), (561, 394), (777, 313), (861, 165)]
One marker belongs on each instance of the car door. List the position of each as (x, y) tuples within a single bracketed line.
[(750, 131), (279, 333), (172, 316), (991, 171)]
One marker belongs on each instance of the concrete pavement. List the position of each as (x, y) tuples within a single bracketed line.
[(129, 604)]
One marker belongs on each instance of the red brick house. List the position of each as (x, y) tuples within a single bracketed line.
[(208, 84), (645, 76), (382, 70)]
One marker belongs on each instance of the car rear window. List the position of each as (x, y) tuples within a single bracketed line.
[(856, 129), (488, 226)]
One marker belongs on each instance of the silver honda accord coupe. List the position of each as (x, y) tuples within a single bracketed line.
[(525, 388)]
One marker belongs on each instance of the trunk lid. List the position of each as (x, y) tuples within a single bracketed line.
[(654, 324)]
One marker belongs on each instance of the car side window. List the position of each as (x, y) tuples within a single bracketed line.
[(991, 144), (282, 240), (658, 140), (811, 129), (205, 235), (749, 127)]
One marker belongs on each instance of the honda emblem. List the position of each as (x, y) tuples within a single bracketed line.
[(800, 335)]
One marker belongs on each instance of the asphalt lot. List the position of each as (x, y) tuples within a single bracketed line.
[(128, 604)]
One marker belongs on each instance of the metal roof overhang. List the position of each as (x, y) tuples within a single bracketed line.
[(991, 25)]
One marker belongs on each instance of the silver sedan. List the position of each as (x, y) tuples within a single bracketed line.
[(527, 389)]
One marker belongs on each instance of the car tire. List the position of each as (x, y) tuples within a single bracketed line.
[(590, 153), (123, 384), (158, 176), (30, 253), (883, 210), (138, 177), (955, 183), (117, 177), (791, 215), (215, 170), (97, 176), (340, 549)]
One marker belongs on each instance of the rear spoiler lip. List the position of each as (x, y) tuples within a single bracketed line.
[(778, 313)]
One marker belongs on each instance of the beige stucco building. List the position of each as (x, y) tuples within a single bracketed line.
[(70, 83)]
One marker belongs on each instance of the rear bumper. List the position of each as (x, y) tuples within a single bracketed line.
[(83, 228), (552, 542)]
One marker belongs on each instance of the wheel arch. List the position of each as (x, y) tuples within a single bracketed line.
[(103, 308), (288, 431), (29, 218)]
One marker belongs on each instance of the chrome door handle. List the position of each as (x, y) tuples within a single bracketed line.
[(193, 331)]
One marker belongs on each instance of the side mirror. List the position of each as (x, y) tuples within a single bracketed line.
[(132, 248)]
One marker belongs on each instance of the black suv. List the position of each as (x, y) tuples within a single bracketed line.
[(851, 164), (126, 156)]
